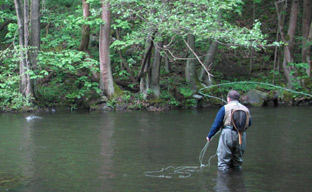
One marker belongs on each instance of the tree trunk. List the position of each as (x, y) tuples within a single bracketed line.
[(106, 79), (22, 13), (28, 91), (85, 37), (308, 56), (26, 23), (190, 73), (289, 47), (35, 35), (35, 30), (155, 71), (289, 41), (208, 61), (84, 43), (144, 74), (20, 23), (165, 58), (306, 22)]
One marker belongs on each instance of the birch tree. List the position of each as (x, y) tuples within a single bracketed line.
[(22, 13)]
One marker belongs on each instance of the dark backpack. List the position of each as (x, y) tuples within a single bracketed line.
[(240, 121)]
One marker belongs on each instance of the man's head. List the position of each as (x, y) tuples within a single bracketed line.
[(233, 95)]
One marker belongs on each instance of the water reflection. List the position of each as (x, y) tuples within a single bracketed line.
[(27, 151), (66, 152), (106, 174), (230, 181)]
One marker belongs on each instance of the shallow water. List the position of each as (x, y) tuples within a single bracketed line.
[(111, 151)]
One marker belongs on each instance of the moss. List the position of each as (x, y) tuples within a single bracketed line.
[(157, 100), (287, 97), (94, 107), (271, 95), (117, 91)]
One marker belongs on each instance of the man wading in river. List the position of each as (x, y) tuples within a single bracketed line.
[(233, 118)]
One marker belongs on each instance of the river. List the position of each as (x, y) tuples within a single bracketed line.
[(112, 151)]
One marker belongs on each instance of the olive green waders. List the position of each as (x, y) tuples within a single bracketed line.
[(230, 153)]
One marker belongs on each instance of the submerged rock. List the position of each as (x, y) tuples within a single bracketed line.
[(32, 117)]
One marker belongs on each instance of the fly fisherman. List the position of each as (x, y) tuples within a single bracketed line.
[(232, 141)]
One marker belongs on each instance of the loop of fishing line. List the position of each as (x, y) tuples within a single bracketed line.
[(248, 82), (182, 171)]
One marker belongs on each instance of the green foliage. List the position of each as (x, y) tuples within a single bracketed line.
[(121, 74), (186, 91), (174, 102), (179, 18), (12, 28), (68, 85), (137, 101), (299, 74), (63, 74), (10, 96), (191, 102), (112, 103), (65, 32), (66, 71), (61, 3), (84, 91), (167, 95), (5, 12), (49, 96), (257, 1), (126, 97), (300, 68), (13, 100)]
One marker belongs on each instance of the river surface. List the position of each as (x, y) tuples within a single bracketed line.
[(113, 151)]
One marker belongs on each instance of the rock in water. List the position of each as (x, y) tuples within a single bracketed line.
[(33, 117)]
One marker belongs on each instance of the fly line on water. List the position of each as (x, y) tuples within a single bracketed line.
[(250, 82), (186, 171), (182, 171)]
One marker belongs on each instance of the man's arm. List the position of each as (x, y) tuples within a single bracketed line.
[(218, 122)]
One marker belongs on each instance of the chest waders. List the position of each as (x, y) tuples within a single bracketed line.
[(240, 121)]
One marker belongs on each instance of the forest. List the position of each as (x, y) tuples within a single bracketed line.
[(154, 55)]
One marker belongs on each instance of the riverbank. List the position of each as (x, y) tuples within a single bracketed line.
[(252, 98)]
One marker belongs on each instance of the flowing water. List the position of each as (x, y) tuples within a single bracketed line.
[(111, 151)]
